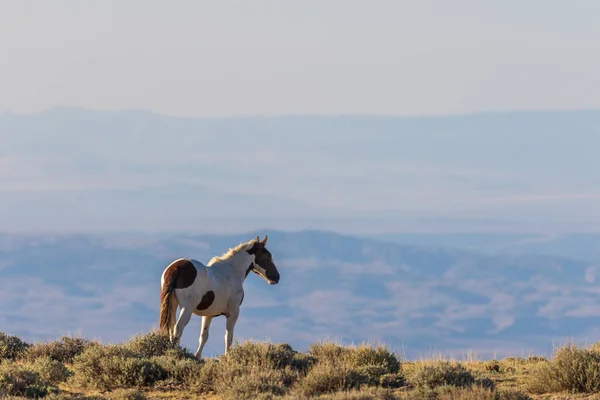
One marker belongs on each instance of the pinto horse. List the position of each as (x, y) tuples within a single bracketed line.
[(212, 290)]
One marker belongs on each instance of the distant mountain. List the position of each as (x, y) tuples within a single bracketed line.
[(417, 298), (574, 245), (534, 171)]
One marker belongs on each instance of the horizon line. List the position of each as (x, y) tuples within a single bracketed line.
[(474, 113)]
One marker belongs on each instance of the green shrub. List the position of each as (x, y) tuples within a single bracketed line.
[(180, 370), (369, 375), (302, 362), (351, 367), (372, 364), (572, 369), (112, 367), (328, 377), (267, 355), (155, 344), (64, 350), (327, 351), (249, 370), (21, 380), (441, 373), (369, 356), (51, 370), (206, 381), (11, 347)]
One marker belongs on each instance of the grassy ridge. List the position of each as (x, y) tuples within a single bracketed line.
[(149, 367)]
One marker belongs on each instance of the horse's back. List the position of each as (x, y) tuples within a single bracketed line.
[(201, 269), (198, 286)]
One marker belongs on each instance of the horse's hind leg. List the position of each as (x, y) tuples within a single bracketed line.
[(182, 321), (203, 335)]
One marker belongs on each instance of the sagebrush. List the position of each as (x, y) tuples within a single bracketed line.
[(150, 366)]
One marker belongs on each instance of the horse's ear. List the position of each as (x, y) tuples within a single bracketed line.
[(264, 242), (257, 238)]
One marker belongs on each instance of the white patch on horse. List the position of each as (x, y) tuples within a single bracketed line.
[(216, 290)]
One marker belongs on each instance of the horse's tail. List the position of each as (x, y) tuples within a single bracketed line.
[(168, 303)]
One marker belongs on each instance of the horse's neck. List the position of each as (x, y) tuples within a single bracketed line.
[(238, 263)]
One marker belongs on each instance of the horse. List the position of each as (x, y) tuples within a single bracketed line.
[(212, 290)]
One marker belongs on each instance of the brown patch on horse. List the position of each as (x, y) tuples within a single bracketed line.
[(180, 275), (206, 301)]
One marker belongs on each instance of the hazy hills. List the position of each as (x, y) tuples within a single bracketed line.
[(133, 170), (577, 245), (416, 298)]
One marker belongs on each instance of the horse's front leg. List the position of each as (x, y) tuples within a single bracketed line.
[(229, 325)]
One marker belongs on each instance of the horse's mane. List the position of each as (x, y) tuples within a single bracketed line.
[(231, 252)]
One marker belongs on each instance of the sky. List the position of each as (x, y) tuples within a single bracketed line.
[(267, 57)]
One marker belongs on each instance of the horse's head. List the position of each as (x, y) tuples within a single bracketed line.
[(263, 264)]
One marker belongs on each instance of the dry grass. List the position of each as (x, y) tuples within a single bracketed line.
[(149, 367)]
